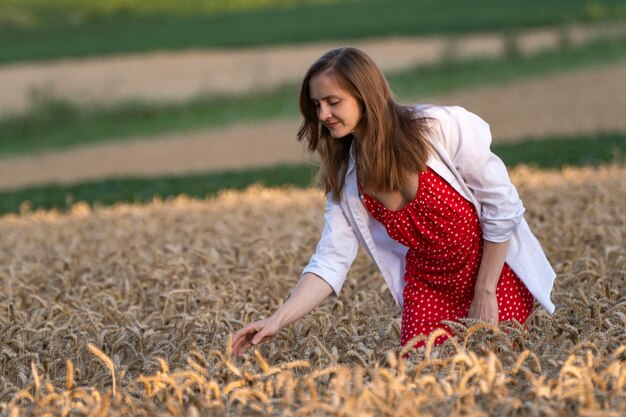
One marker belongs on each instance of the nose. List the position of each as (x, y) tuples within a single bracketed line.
[(323, 112)]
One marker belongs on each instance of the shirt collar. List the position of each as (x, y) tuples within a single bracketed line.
[(352, 159)]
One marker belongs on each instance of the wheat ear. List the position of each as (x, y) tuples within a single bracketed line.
[(104, 358), (69, 374)]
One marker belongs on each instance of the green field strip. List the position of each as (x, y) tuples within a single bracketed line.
[(58, 125), (75, 31), (543, 153)]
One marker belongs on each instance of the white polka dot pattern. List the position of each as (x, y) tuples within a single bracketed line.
[(443, 234)]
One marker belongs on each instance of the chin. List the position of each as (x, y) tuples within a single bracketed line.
[(340, 135)]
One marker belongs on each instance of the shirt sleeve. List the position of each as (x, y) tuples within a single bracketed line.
[(336, 249), (468, 142)]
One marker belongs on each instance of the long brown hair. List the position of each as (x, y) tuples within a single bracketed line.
[(391, 139)]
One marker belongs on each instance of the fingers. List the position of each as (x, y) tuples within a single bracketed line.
[(237, 345), (487, 319), (491, 318), (243, 346), (241, 340), (250, 335), (486, 312), (258, 338)]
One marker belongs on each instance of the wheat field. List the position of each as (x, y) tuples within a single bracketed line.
[(128, 311)]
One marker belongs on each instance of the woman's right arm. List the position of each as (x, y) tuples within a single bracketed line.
[(310, 291), (324, 275)]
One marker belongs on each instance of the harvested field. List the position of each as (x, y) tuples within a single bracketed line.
[(128, 310)]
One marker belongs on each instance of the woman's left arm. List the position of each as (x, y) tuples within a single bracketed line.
[(485, 305), (468, 142)]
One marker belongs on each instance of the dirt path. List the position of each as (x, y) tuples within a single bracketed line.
[(579, 102), (182, 75)]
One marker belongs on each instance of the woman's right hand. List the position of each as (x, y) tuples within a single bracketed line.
[(254, 333), (310, 291)]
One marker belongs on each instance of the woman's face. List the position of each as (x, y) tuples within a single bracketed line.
[(337, 109)]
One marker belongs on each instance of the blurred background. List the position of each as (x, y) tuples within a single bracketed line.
[(128, 100)]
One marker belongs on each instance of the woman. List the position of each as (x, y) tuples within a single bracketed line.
[(419, 188)]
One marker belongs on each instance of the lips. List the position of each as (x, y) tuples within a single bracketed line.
[(332, 125)]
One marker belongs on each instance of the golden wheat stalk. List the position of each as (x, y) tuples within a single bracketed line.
[(106, 360), (69, 374), (261, 361), (37, 379)]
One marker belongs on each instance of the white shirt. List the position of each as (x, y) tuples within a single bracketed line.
[(461, 156)]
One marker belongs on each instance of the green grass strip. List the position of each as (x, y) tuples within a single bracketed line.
[(38, 11), (57, 125), (76, 32), (546, 153), (558, 152)]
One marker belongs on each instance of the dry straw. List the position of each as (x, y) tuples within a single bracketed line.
[(162, 287)]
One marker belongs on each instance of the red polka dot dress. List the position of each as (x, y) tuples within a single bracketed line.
[(443, 234)]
